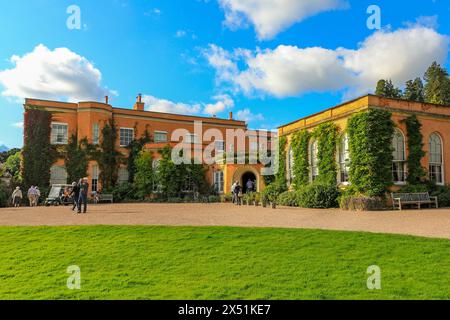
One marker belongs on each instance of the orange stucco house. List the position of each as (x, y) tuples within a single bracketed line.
[(86, 120)]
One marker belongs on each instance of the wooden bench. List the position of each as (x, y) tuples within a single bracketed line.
[(401, 199), (104, 198)]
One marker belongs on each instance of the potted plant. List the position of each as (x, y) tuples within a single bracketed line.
[(257, 199)]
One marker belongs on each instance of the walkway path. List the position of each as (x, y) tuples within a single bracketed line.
[(428, 223)]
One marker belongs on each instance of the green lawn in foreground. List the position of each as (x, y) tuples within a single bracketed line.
[(218, 263)]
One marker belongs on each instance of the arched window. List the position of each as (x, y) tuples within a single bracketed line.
[(399, 157), (436, 169), (344, 159), (290, 164), (313, 160)]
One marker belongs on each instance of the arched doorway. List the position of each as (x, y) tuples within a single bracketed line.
[(245, 178)]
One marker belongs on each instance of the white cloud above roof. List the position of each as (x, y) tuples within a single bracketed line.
[(58, 74), (292, 71), (270, 17)]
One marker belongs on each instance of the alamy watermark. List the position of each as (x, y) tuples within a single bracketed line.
[(374, 280), (374, 20), (74, 280), (74, 20)]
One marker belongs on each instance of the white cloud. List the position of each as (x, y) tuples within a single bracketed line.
[(292, 71), (222, 103), (269, 17), (58, 74), (247, 116), (18, 125), (167, 106)]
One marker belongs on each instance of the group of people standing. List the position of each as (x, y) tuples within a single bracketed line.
[(79, 193), (236, 190), (33, 195)]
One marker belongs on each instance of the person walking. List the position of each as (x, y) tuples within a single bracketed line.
[(31, 194), (82, 200), (249, 186), (75, 194), (233, 195), (17, 197), (37, 195), (237, 193)]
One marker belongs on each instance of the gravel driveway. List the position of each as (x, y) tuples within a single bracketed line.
[(427, 223)]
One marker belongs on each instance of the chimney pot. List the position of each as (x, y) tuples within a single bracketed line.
[(139, 98), (231, 115), (106, 99)]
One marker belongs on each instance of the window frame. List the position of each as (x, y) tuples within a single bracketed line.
[(219, 184), (52, 135), (161, 132), (313, 160), (436, 164), (402, 162), (120, 136), (95, 174), (96, 133), (343, 159)]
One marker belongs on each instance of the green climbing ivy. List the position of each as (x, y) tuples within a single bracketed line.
[(38, 154), (299, 144), (134, 148), (281, 161), (370, 142), (326, 135), (416, 173)]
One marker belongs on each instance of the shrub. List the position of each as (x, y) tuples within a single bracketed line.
[(288, 198), (214, 199), (125, 192), (273, 190), (443, 194), (174, 200), (318, 195), (4, 196), (362, 203)]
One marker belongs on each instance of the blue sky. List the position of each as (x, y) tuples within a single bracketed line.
[(269, 64)]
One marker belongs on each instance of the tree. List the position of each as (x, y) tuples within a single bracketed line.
[(108, 157), (6, 154), (12, 166), (414, 90), (437, 87), (144, 177), (385, 88), (76, 158), (38, 153), (134, 148)]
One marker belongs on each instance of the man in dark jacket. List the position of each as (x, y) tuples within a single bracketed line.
[(82, 200), (75, 194)]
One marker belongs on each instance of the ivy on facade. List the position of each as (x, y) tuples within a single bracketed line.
[(134, 148), (38, 154), (107, 157), (326, 135), (299, 145), (281, 162), (76, 158), (370, 143), (416, 173)]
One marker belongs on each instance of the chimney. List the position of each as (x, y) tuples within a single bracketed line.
[(231, 115), (139, 105), (106, 99)]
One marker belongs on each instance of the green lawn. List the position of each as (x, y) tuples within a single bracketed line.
[(218, 263)]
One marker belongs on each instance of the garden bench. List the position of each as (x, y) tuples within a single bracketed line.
[(401, 199), (104, 198)]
